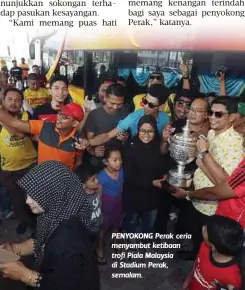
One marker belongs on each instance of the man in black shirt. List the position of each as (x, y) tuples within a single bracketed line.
[(16, 72)]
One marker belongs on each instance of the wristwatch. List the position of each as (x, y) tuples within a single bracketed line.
[(202, 154)]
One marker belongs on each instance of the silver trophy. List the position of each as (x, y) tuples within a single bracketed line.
[(183, 150)]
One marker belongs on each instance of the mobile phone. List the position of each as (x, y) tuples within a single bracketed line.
[(167, 186), (219, 286)]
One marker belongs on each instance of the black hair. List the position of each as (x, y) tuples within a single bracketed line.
[(116, 90), (109, 150), (186, 93), (160, 92), (32, 77), (121, 79), (204, 100), (211, 94), (59, 78), (85, 172), (228, 102), (158, 72), (13, 90), (35, 65), (227, 236)]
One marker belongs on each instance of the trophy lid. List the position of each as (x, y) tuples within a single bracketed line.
[(185, 136)]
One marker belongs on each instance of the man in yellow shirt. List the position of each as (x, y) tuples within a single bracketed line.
[(156, 77), (34, 95), (218, 157), (18, 156)]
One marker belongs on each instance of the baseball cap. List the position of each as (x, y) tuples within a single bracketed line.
[(241, 109), (73, 110)]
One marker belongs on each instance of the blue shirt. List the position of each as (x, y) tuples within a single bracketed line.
[(111, 187), (132, 120)]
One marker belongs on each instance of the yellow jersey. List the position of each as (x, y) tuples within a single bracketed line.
[(16, 152), (166, 107), (36, 98)]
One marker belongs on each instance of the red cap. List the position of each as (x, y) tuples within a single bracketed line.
[(73, 110)]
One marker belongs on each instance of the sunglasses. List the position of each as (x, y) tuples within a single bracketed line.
[(183, 103), (150, 105), (158, 78), (218, 115), (148, 132)]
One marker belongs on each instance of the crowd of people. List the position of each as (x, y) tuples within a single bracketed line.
[(75, 173)]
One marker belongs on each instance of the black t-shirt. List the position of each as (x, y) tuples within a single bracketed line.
[(16, 73), (178, 125), (45, 113), (99, 121)]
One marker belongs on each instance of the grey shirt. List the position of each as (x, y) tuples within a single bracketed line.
[(99, 121)]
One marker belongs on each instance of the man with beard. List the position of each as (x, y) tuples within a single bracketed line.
[(18, 156)]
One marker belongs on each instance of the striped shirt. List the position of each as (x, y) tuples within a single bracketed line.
[(235, 207)]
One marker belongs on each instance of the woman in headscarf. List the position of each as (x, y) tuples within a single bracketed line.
[(63, 253), (142, 165)]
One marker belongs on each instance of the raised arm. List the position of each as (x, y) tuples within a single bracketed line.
[(103, 138), (9, 121)]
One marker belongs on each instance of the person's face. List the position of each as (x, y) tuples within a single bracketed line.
[(59, 92), (13, 102), (92, 184), (102, 92), (14, 63), (33, 84), (155, 79), (198, 112), (114, 161), (34, 206), (146, 133), (64, 122), (150, 104), (239, 124), (219, 118), (181, 107), (22, 60), (35, 70), (113, 103)]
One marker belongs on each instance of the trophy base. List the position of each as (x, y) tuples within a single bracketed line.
[(184, 180)]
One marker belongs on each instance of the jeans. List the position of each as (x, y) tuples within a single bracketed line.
[(142, 222)]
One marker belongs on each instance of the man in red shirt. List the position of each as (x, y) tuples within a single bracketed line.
[(230, 194)]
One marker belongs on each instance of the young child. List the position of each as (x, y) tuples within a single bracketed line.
[(88, 177), (219, 260), (111, 181)]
